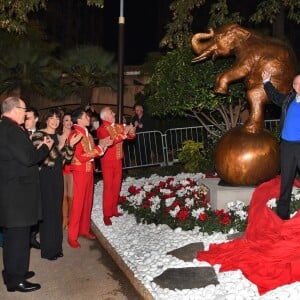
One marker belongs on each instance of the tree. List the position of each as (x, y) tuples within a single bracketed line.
[(14, 13), (28, 66), (179, 31), (181, 88), (97, 3), (86, 67), (275, 11), (28, 70)]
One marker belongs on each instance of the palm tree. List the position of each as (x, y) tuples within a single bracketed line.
[(86, 67), (27, 69)]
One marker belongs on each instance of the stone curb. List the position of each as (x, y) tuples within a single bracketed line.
[(137, 284)]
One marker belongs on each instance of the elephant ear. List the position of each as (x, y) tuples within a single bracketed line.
[(236, 35), (241, 33)]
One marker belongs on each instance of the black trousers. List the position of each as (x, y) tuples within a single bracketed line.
[(16, 252), (289, 161)]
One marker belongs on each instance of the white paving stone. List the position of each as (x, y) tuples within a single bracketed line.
[(144, 249)]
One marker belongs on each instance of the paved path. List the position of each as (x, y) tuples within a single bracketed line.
[(87, 273)]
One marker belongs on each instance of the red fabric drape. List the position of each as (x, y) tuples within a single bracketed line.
[(269, 253)]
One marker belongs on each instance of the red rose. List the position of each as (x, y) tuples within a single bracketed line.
[(170, 179), (166, 196), (150, 195), (225, 219), (202, 217), (122, 199), (192, 182), (183, 214), (176, 203), (133, 190), (162, 184), (219, 212), (178, 187)]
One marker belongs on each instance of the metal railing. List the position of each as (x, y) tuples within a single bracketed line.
[(156, 148), (147, 149)]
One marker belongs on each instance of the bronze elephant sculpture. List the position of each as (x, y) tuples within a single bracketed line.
[(248, 154), (254, 53)]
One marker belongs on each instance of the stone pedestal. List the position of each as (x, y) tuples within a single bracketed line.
[(220, 195)]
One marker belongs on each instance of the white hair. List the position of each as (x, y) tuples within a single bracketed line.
[(103, 112), (9, 103)]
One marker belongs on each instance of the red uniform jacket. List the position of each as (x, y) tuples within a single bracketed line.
[(85, 151), (117, 134)]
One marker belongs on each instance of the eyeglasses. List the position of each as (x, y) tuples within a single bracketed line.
[(24, 108)]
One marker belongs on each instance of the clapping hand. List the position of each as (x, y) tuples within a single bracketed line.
[(62, 140), (132, 130), (129, 129), (106, 142), (75, 138), (47, 141), (138, 124)]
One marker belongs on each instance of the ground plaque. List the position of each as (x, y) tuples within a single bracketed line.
[(188, 252), (187, 278)]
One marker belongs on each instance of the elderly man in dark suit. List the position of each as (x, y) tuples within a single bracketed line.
[(19, 193)]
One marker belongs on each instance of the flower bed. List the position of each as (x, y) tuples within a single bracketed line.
[(182, 203)]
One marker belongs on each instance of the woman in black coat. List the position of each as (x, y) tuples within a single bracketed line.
[(52, 184)]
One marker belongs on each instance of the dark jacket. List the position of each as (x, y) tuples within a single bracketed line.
[(20, 199), (145, 120), (279, 99), (66, 153)]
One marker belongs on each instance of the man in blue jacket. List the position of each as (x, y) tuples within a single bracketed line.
[(290, 139), (20, 203)]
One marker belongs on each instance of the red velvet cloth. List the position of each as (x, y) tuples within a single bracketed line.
[(269, 253)]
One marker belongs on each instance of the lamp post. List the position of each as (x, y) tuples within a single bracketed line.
[(120, 103)]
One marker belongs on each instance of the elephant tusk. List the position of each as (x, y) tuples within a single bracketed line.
[(205, 54), (199, 58)]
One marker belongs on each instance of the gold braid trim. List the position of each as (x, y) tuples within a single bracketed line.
[(117, 132), (85, 141)]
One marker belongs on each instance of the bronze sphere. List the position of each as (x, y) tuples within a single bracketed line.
[(244, 158)]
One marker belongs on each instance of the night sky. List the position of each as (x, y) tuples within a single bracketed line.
[(144, 26), (70, 23)]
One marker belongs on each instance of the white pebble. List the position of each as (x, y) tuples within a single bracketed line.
[(144, 249)]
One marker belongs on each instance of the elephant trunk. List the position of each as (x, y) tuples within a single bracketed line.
[(199, 47)]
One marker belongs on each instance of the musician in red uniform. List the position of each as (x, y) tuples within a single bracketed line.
[(111, 161), (82, 168)]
